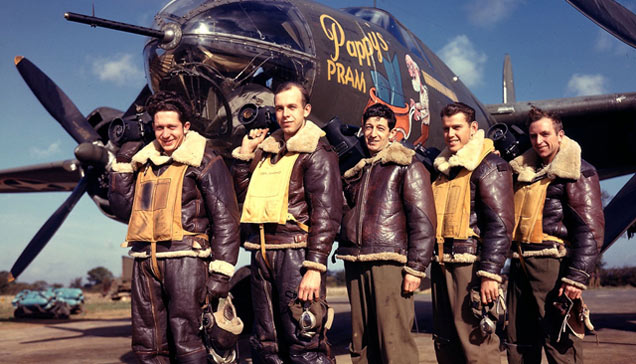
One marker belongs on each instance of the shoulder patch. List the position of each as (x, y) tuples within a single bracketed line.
[(588, 173), (502, 167)]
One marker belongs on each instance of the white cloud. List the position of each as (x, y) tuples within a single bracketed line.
[(52, 149), (583, 85), (486, 13), (463, 59), (608, 44), (120, 69)]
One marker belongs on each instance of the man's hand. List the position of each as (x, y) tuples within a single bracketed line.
[(309, 288), (489, 290), (570, 291), (252, 139), (410, 283)]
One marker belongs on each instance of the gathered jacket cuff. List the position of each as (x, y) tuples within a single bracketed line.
[(485, 274), (120, 167), (574, 283), (243, 157), (317, 258), (576, 277), (222, 267), (414, 272), (316, 266)]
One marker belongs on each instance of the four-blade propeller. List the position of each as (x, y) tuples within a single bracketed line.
[(89, 153)]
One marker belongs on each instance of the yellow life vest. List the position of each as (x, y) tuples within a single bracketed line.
[(529, 203), (268, 192), (452, 202), (156, 211)]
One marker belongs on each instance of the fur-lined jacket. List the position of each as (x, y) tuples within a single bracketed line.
[(491, 206), (573, 210), (315, 193), (208, 201), (391, 215)]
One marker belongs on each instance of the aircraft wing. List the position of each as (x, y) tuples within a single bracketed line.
[(604, 126), (46, 177)]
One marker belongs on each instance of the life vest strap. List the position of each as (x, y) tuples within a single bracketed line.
[(261, 229)]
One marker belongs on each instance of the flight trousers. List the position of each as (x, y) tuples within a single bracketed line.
[(456, 332), (275, 337), (534, 322), (166, 313), (381, 315)]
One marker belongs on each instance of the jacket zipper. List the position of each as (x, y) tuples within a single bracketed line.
[(362, 202)]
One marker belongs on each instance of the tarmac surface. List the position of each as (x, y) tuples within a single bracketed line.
[(107, 339)]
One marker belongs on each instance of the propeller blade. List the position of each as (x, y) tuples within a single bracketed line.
[(620, 213), (47, 230), (139, 101), (56, 102), (508, 82), (611, 16)]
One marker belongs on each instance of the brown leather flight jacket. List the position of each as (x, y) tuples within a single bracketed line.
[(491, 206), (208, 200), (573, 210), (391, 211), (315, 194)]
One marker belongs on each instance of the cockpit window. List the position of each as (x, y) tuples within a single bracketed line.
[(282, 25), (179, 8), (388, 22)]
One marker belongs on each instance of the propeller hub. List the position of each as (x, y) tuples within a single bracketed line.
[(91, 154)]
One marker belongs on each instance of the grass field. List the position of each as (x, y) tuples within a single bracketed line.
[(95, 306)]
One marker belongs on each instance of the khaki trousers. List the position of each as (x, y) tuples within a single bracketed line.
[(456, 332), (381, 316), (534, 322)]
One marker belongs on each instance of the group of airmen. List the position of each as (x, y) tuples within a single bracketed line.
[(391, 217)]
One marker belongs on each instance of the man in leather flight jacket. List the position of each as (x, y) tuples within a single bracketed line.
[(387, 241), (290, 184), (183, 232), (558, 233), (475, 216)]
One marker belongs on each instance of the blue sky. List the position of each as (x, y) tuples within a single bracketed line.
[(555, 50)]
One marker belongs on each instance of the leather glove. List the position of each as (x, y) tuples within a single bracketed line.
[(218, 285), (127, 151)]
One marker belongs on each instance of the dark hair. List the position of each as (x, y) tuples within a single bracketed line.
[(456, 108), (381, 111), (536, 114), (168, 101), (288, 85)]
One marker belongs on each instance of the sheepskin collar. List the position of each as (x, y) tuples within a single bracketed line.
[(305, 140), (468, 157), (190, 152), (393, 153), (566, 163)]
